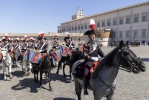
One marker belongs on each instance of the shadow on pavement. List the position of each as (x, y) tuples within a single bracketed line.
[(61, 78), (61, 98), (18, 73), (28, 83)]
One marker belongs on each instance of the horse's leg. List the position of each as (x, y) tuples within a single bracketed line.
[(26, 67), (97, 95), (37, 75), (64, 70), (59, 65), (34, 75), (9, 69), (56, 64), (78, 89), (29, 69), (49, 80), (40, 78), (23, 64), (110, 97), (4, 71), (70, 70)]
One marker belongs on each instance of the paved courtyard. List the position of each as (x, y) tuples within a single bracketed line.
[(129, 86)]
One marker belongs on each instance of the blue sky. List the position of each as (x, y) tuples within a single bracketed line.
[(33, 16)]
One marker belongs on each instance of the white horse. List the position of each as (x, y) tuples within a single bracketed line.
[(26, 65), (6, 62)]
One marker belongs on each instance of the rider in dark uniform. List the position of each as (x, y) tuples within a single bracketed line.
[(68, 41), (43, 45), (31, 43), (55, 43), (6, 43), (91, 52)]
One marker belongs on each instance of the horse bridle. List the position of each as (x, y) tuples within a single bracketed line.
[(128, 59)]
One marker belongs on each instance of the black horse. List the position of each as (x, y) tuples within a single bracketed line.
[(43, 67), (136, 43), (70, 60)]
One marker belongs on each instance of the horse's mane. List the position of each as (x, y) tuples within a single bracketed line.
[(106, 62), (132, 53), (109, 57)]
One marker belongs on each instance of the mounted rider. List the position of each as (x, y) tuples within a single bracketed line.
[(91, 52), (24, 45), (31, 43), (55, 43), (43, 45), (68, 40), (6, 43)]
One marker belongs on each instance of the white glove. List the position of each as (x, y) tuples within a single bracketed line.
[(94, 58), (40, 50)]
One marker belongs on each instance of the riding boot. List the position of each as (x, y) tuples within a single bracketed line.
[(85, 86)]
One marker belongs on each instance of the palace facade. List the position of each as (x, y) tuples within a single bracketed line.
[(128, 23)]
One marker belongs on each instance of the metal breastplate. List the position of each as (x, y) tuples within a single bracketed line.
[(92, 46)]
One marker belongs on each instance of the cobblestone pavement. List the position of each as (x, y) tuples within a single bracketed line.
[(129, 86)]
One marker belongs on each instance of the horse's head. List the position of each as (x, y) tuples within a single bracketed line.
[(129, 60), (4, 52)]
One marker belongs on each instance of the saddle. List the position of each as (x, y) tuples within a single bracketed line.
[(0, 56), (11, 54), (79, 71)]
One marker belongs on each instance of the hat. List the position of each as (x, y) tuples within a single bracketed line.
[(41, 34), (90, 32), (32, 38), (6, 36), (67, 34), (17, 39), (93, 28), (25, 37), (56, 37), (92, 24)]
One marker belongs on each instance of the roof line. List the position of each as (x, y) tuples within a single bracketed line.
[(139, 4)]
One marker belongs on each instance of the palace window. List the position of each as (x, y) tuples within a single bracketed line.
[(127, 34), (75, 28), (127, 20), (103, 24), (108, 23), (144, 18), (120, 34), (98, 24), (72, 28), (78, 27), (114, 22), (69, 29), (143, 33), (136, 19), (114, 35), (135, 33), (85, 26), (121, 21), (81, 27)]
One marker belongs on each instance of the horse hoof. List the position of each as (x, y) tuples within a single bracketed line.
[(5, 79), (11, 77), (28, 73), (57, 72), (50, 89)]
